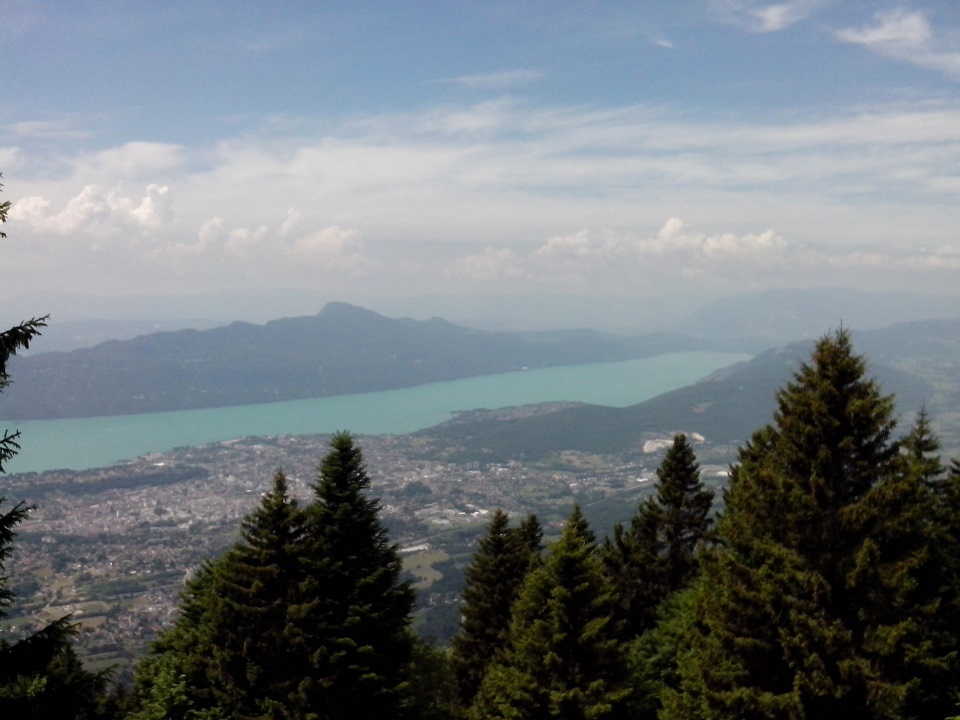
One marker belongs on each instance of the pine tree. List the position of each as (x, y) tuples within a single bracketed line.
[(683, 508), (173, 682), (503, 557), (633, 561), (353, 613), (226, 655), (40, 675), (564, 659), (655, 556), (817, 600), (251, 669)]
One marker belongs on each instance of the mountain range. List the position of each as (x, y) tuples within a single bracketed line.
[(918, 363), (342, 350)]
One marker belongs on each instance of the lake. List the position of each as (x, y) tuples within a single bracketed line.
[(85, 443)]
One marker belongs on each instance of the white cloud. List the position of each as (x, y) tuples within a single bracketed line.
[(491, 264), (496, 81), (102, 214), (292, 220), (396, 199), (210, 231), (333, 249), (909, 36), (130, 161), (892, 29), (156, 209), (587, 257), (763, 17)]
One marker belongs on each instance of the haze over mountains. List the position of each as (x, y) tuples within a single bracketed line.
[(918, 363), (777, 316), (343, 350), (346, 349)]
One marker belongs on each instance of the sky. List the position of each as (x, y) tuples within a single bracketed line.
[(453, 149)]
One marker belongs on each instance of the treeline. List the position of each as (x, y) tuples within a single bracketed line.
[(827, 586)]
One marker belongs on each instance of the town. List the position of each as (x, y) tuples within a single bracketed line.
[(112, 547)]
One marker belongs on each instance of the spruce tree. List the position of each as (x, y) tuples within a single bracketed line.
[(564, 659), (492, 580), (40, 674), (655, 556), (633, 561), (251, 670), (817, 600), (683, 509), (350, 626), (226, 654), (173, 682)]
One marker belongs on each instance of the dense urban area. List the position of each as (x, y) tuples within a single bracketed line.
[(112, 547)]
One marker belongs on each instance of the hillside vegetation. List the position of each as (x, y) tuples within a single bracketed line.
[(342, 350)]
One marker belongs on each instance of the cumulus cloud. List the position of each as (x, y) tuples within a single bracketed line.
[(333, 249), (272, 251), (536, 186), (291, 222), (607, 256), (909, 36), (94, 211), (491, 264), (156, 209)]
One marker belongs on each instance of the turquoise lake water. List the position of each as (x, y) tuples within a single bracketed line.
[(95, 442)]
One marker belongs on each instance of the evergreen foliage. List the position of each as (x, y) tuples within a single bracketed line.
[(174, 682), (304, 617), (433, 685), (254, 583), (682, 512), (351, 621), (564, 659), (40, 675), (820, 598), (655, 556), (654, 655), (503, 557)]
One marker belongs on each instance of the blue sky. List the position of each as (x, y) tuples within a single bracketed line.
[(376, 149)]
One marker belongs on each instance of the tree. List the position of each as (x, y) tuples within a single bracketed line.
[(565, 659), (40, 675), (255, 583), (655, 556), (174, 681), (12, 340), (353, 612), (817, 600), (226, 654), (502, 560)]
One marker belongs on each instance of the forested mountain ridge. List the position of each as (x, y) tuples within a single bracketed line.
[(342, 350), (918, 362)]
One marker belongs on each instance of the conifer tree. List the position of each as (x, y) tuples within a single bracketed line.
[(683, 508), (226, 654), (501, 562), (351, 621), (633, 561), (251, 669), (655, 556), (173, 682), (816, 602), (564, 659), (40, 675)]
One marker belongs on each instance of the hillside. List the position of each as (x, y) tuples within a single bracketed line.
[(342, 350), (918, 362), (784, 315)]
